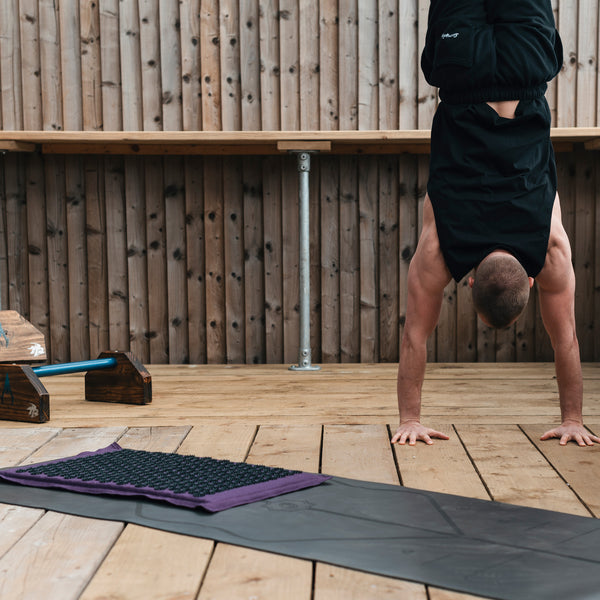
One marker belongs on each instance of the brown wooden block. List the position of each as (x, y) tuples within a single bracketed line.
[(128, 382), (20, 341), (304, 146), (9, 146), (22, 395)]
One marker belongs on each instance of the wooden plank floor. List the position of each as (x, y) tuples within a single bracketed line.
[(338, 420)]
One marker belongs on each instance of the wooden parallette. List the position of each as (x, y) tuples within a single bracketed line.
[(20, 341), (23, 397), (128, 382), (114, 377)]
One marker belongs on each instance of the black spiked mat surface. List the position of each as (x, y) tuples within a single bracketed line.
[(183, 480)]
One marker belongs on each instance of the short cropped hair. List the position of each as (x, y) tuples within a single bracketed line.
[(500, 289)]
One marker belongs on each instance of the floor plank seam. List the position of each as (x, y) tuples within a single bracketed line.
[(593, 432), (123, 433), (37, 448), (182, 440), (24, 533), (101, 562), (249, 448), (394, 455), (313, 587), (321, 448), (206, 567), (560, 475), (472, 460)]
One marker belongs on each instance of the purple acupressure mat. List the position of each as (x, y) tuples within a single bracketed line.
[(183, 480)]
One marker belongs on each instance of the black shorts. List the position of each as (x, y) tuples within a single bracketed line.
[(492, 183)]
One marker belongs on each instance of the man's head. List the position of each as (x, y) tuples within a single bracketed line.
[(500, 289)]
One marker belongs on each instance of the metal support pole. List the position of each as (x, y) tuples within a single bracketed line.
[(304, 353)]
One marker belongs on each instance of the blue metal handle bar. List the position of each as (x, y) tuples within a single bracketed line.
[(75, 367)]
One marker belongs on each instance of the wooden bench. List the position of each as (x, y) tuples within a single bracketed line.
[(250, 142)]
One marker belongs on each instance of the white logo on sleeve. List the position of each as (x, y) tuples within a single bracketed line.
[(453, 36)]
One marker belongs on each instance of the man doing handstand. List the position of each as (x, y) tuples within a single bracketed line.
[(491, 201)]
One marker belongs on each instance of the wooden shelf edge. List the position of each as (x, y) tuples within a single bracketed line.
[(250, 142)]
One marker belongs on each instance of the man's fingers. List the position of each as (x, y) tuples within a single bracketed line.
[(578, 439), (400, 437), (581, 439), (412, 435)]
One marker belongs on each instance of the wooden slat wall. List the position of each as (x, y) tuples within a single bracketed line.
[(195, 259)]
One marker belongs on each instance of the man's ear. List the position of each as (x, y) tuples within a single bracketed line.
[(531, 282), (472, 281)]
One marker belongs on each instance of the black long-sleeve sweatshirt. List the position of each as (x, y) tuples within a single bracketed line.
[(491, 50), (492, 180)]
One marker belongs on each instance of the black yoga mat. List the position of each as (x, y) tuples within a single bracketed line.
[(484, 548)]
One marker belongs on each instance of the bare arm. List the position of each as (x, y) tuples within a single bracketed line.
[(556, 285), (427, 278)]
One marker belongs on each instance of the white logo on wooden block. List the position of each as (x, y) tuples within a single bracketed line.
[(36, 350)]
